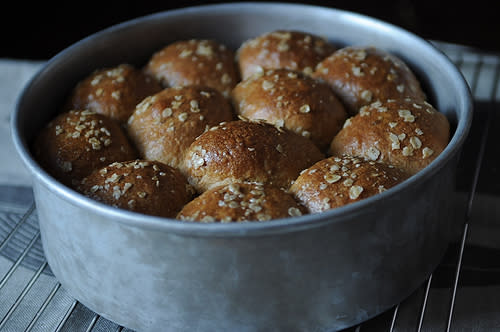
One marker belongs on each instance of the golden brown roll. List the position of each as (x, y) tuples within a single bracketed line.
[(113, 92), (164, 125), (76, 143), (337, 181), (240, 151), (362, 75), (148, 187), (294, 50), (405, 133), (195, 62), (290, 99), (238, 202)]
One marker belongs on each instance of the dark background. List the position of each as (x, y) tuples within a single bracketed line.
[(39, 30)]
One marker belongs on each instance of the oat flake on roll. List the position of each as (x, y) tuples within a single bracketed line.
[(195, 62), (148, 187), (164, 125), (361, 75), (290, 99), (113, 91), (408, 134), (76, 143), (237, 202), (295, 50), (240, 151), (337, 181)]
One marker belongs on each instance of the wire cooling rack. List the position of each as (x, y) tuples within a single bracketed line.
[(31, 299)]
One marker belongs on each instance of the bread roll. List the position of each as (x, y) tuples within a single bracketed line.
[(337, 181), (195, 62), (408, 134), (113, 92), (240, 151), (75, 143), (238, 202), (148, 187), (362, 75), (293, 100), (295, 50), (164, 125)]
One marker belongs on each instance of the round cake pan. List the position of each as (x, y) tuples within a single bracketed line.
[(317, 272)]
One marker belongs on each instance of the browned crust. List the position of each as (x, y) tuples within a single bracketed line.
[(147, 187), (361, 75), (337, 181), (292, 100), (195, 62), (75, 143), (113, 92), (296, 50), (164, 125), (406, 133), (238, 202), (240, 151)]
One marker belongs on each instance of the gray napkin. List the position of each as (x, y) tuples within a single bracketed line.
[(13, 76)]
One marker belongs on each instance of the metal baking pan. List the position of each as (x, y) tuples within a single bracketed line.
[(316, 272)]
